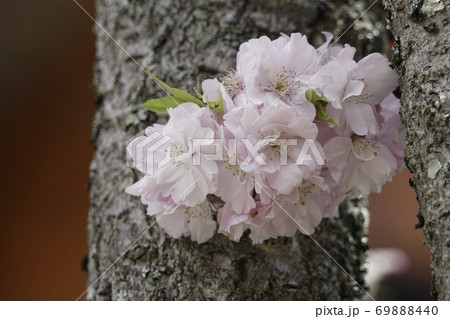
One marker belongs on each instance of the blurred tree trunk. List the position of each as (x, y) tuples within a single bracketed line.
[(184, 42), (422, 59)]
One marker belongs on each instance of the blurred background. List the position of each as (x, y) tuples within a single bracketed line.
[(46, 63)]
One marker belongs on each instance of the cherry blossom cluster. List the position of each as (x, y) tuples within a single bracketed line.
[(281, 141)]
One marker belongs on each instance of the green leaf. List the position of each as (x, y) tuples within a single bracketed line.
[(312, 96), (218, 106), (198, 94), (161, 105), (319, 103), (322, 115), (220, 103), (179, 94), (309, 94)]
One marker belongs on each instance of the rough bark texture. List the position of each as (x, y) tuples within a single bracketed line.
[(422, 59), (184, 42)]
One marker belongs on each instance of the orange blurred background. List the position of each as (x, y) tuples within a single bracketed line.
[(47, 57)]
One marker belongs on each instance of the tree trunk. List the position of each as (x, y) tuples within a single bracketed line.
[(183, 43), (422, 59)]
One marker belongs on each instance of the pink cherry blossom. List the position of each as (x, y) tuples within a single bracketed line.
[(273, 71), (361, 164), (254, 140)]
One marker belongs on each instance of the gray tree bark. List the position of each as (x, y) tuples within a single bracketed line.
[(183, 43), (422, 59)]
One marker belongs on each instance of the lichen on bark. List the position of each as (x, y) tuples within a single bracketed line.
[(185, 42), (421, 57)]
